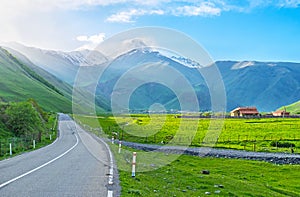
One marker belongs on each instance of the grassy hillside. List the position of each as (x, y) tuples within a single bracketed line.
[(62, 86), (293, 108), (18, 82)]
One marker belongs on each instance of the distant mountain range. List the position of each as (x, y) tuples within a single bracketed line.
[(266, 85)]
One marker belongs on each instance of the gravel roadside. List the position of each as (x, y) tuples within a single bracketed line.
[(277, 158)]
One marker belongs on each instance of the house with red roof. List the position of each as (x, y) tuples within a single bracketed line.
[(244, 111)]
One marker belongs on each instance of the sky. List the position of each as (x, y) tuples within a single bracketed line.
[(261, 30)]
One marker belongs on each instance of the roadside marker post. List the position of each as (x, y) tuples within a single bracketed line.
[(33, 144), (120, 146), (50, 137), (112, 140), (10, 149), (133, 164)]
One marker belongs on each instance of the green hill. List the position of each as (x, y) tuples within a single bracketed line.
[(62, 86), (293, 108), (19, 82)]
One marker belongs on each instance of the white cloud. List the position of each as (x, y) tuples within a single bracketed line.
[(289, 3), (94, 39), (91, 41), (204, 9), (126, 16)]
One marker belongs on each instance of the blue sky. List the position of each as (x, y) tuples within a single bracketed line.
[(227, 29)]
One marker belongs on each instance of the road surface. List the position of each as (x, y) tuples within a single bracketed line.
[(76, 164)]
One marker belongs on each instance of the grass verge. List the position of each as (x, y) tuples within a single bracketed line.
[(183, 177)]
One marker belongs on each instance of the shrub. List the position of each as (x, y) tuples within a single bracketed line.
[(282, 144)]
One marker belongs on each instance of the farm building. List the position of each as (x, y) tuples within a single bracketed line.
[(244, 111), (281, 113)]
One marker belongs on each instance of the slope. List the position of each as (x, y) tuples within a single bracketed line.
[(60, 85), (266, 85), (293, 108), (18, 83)]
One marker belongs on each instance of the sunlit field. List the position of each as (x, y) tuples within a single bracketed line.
[(266, 134)]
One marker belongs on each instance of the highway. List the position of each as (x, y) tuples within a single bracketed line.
[(76, 164)]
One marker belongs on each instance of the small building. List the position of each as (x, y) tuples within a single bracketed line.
[(281, 113), (244, 111)]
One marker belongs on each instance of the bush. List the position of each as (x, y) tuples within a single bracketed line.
[(282, 144), (23, 119)]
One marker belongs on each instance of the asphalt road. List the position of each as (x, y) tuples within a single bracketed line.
[(76, 164)]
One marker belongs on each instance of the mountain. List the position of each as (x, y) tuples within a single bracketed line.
[(62, 86), (60, 69), (18, 82), (63, 65), (146, 65), (266, 85)]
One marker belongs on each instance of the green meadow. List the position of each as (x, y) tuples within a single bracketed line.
[(265, 134), (183, 177)]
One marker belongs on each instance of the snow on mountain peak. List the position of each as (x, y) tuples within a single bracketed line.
[(186, 62), (80, 58), (242, 64)]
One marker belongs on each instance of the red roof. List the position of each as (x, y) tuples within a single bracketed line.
[(246, 110)]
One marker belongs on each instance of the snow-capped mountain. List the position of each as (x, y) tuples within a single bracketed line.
[(266, 85)]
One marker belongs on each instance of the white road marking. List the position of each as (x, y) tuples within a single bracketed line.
[(45, 164), (111, 162), (111, 170)]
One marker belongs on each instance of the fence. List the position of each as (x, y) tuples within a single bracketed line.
[(278, 138), (17, 145)]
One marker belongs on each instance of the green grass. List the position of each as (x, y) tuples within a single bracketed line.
[(183, 177), (241, 134)]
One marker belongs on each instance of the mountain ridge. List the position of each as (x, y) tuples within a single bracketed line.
[(16, 84), (266, 85)]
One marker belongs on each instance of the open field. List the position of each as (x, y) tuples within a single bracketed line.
[(268, 135)]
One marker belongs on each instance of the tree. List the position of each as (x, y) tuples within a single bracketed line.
[(23, 119)]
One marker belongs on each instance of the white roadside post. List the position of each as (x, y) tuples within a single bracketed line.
[(112, 139), (133, 164), (120, 146), (10, 149), (50, 137), (33, 144)]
